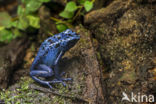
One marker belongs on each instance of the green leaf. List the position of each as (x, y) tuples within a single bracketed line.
[(22, 24), (34, 21), (81, 1), (24, 1), (6, 35), (61, 27), (71, 6), (44, 1), (88, 5), (20, 10), (19, 26), (16, 32), (1, 28), (14, 24), (66, 14), (32, 6), (5, 19)]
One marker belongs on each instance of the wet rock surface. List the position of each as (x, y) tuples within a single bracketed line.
[(126, 35)]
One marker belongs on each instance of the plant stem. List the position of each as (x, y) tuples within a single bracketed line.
[(78, 13), (63, 22), (14, 18), (93, 1)]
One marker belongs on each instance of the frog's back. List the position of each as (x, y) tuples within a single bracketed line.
[(46, 50), (50, 57)]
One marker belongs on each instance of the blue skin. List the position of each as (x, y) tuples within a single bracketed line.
[(50, 52)]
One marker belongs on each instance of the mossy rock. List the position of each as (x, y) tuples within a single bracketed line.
[(126, 35)]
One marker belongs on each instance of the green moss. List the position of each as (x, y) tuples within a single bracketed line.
[(128, 76), (58, 100), (99, 57), (15, 96), (21, 93)]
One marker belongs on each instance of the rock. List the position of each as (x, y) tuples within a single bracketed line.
[(91, 68), (11, 57), (82, 65), (100, 3), (127, 46), (108, 14), (146, 1)]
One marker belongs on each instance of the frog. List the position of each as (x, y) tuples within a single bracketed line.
[(51, 51)]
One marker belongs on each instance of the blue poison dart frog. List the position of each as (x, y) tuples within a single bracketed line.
[(50, 52)]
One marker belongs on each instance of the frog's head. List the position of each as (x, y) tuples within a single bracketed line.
[(70, 35), (69, 39)]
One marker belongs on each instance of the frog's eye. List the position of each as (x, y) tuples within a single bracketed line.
[(67, 31)]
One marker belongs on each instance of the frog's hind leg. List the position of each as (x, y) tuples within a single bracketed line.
[(43, 71)]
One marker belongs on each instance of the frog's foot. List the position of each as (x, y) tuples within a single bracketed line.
[(47, 83), (64, 79), (59, 81), (62, 74), (55, 81), (43, 71)]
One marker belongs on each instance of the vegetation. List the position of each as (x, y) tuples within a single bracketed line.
[(20, 94), (28, 20), (71, 12)]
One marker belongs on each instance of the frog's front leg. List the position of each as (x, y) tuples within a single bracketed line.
[(56, 70), (43, 71), (59, 76)]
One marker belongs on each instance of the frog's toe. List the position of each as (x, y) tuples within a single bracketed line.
[(63, 84), (58, 81), (63, 73), (49, 86), (67, 79)]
